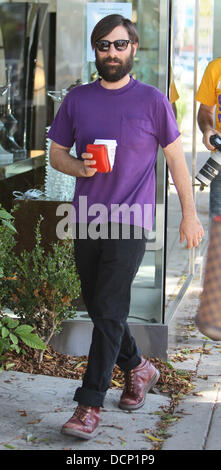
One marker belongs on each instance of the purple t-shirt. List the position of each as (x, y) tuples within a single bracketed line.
[(140, 118)]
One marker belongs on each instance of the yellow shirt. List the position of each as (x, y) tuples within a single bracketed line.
[(174, 96), (173, 93), (209, 92)]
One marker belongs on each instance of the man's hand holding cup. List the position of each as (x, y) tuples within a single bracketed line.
[(85, 168)]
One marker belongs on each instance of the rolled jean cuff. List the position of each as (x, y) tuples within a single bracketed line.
[(131, 364), (87, 397)]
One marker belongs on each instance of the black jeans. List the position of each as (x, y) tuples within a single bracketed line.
[(107, 269)]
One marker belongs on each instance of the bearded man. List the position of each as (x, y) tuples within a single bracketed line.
[(140, 118)]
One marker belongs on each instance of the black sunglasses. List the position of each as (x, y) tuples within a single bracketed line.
[(120, 44)]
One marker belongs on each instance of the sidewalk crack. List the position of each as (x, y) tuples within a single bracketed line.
[(211, 417)]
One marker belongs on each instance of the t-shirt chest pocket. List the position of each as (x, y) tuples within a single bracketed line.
[(136, 133)]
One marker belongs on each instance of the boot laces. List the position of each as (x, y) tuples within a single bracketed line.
[(82, 413), (129, 381)]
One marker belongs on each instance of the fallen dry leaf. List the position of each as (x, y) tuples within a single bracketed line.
[(101, 442), (9, 446), (123, 442), (35, 421), (116, 383), (22, 412), (152, 438), (113, 426)]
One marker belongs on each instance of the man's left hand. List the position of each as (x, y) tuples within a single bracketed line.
[(191, 230)]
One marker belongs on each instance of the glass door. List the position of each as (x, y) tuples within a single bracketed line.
[(150, 66)]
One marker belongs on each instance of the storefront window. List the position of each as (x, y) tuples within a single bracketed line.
[(24, 52)]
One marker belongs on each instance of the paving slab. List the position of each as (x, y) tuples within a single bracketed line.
[(191, 431), (211, 363)]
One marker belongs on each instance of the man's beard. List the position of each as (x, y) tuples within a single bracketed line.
[(113, 73)]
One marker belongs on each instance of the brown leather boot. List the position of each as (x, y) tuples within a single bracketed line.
[(138, 382), (83, 423)]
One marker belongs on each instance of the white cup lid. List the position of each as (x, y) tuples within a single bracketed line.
[(106, 142)]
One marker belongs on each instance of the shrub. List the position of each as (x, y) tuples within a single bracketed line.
[(45, 286), (7, 243), (11, 332)]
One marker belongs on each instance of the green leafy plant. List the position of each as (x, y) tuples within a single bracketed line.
[(43, 291), (13, 334), (7, 244), (7, 239), (12, 331), (6, 218)]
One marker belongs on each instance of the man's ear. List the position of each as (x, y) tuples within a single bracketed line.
[(135, 47)]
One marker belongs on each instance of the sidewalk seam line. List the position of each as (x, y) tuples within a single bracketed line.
[(211, 419)]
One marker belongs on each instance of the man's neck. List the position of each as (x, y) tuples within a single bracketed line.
[(116, 85)]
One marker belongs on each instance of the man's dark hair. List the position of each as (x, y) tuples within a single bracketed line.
[(108, 23)]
